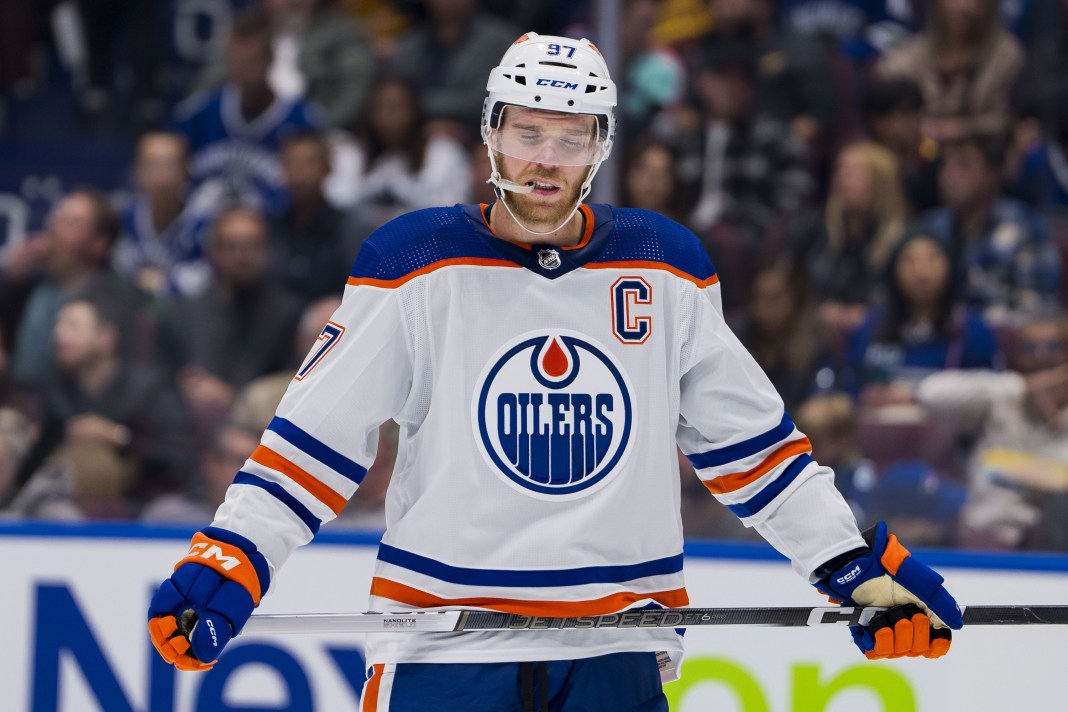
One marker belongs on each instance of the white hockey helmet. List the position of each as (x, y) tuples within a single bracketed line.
[(555, 74)]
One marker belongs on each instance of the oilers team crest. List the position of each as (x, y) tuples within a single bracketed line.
[(553, 413)]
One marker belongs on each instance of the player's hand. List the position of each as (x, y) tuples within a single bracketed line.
[(207, 600), (920, 612)]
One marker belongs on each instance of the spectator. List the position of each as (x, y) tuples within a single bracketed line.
[(914, 498), (1042, 177), (16, 430), (744, 169), (235, 132), (319, 54), (84, 478), (313, 244), (106, 23), (238, 329), (384, 20), (16, 435), (1043, 82), (226, 453), (965, 63), (1019, 422), (1003, 248), (5, 373), (892, 113), (649, 179), (860, 30), (397, 164), (98, 396), (921, 328), (448, 58), (792, 77), (21, 267), (73, 255), (863, 220), (656, 39), (829, 419), (161, 245), (781, 331), (256, 402)]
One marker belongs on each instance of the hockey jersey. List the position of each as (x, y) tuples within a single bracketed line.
[(541, 394), (236, 160), (177, 250)]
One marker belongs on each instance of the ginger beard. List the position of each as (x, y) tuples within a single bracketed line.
[(546, 207)]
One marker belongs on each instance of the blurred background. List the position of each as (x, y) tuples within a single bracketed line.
[(881, 184)]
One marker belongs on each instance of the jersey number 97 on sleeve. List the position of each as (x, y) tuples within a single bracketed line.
[(328, 338), (627, 293)]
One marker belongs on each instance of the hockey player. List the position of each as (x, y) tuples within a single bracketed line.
[(543, 358)]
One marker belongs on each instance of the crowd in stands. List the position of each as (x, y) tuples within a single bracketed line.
[(882, 186)]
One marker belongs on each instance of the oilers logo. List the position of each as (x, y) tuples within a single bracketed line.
[(553, 414)]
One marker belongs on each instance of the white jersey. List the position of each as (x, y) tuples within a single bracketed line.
[(541, 393)]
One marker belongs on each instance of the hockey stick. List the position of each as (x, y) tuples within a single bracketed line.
[(457, 621)]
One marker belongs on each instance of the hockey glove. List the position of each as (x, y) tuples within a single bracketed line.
[(920, 612), (208, 599)]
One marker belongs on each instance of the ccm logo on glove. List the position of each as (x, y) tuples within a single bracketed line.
[(207, 599), (850, 576), (214, 637), (204, 550), (226, 559)]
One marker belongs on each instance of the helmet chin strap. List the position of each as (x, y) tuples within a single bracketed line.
[(501, 185)]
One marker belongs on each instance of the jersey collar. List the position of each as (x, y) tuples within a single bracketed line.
[(548, 261)]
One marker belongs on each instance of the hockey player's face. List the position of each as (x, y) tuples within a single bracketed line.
[(553, 140)]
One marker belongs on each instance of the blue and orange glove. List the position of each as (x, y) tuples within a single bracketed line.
[(208, 599), (920, 612)]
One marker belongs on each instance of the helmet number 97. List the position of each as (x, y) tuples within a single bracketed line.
[(555, 50)]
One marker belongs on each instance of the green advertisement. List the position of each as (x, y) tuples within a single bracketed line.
[(808, 690)]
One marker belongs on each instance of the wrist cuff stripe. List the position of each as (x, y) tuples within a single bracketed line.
[(226, 560)]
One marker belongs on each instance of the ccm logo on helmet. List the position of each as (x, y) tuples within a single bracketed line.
[(558, 83), (553, 414)]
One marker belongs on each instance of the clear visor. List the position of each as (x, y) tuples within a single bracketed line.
[(575, 141)]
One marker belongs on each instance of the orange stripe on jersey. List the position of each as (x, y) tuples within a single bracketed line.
[(369, 703), (384, 588), (587, 231), (737, 480), (432, 267), (650, 264), (269, 458)]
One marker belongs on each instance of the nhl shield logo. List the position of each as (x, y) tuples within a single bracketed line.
[(553, 414), (549, 258)]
